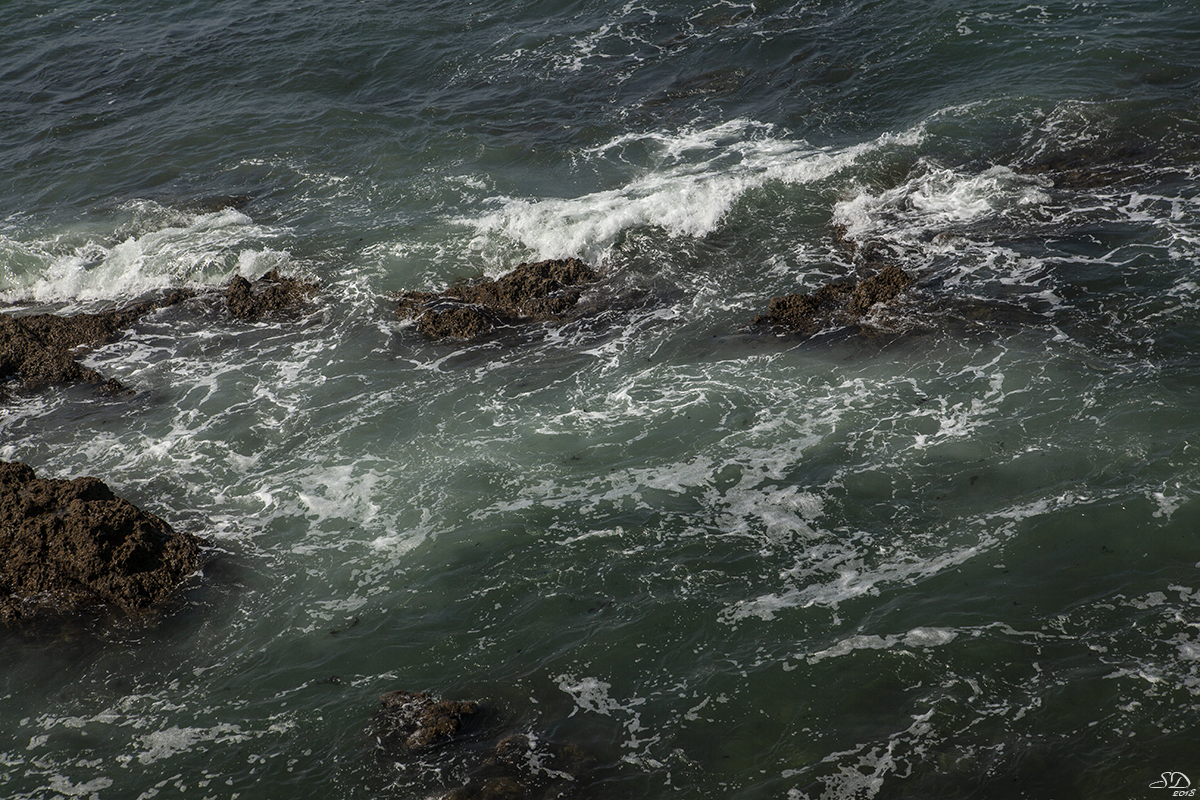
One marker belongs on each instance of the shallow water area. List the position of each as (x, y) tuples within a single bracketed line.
[(950, 552)]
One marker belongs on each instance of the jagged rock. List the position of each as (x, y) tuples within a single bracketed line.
[(37, 350), (532, 292), (270, 293), (70, 544), (836, 304)]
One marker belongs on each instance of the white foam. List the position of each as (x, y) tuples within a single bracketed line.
[(694, 179), (184, 250), (592, 695), (917, 637), (169, 741), (935, 199)]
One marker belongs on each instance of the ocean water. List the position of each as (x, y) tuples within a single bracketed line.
[(955, 558)]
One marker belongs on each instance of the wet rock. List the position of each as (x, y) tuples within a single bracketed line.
[(38, 350), (269, 294), (415, 721), (532, 292), (72, 544), (836, 304)]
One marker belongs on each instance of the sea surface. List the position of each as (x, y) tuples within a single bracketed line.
[(954, 555)]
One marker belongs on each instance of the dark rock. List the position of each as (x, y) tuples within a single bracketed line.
[(836, 304), (70, 544), (412, 722), (532, 292), (270, 293), (37, 350), (882, 287)]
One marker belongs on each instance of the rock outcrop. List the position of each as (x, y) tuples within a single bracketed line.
[(40, 350), (443, 742), (414, 721), (67, 545)]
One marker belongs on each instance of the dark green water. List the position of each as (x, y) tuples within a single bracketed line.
[(955, 559)]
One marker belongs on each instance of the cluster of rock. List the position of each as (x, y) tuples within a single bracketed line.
[(414, 730), (39, 350), (70, 545), (549, 291), (104, 550)]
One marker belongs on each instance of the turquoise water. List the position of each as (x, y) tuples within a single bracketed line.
[(954, 559)]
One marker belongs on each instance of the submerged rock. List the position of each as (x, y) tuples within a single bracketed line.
[(70, 544), (1094, 165), (414, 721), (270, 293), (835, 304), (532, 292), (38, 350), (523, 766), (443, 741)]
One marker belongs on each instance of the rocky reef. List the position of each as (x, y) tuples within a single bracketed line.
[(532, 292), (69, 545), (836, 304), (522, 766), (414, 721)]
